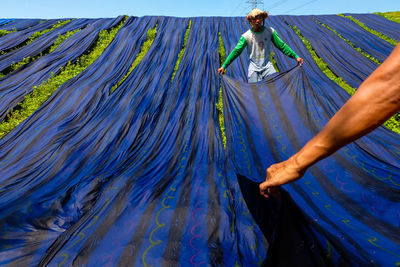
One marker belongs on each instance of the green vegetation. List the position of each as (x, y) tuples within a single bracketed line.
[(36, 35), (27, 60), (380, 35), (182, 50), (272, 59), (323, 66), (393, 123), (350, 43), (221, 50), (151, 35), (42, 92), (4, 32), (393, 16), (61, 39), (220, 107)]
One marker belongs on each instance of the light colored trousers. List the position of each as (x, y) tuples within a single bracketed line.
[(259, 76)]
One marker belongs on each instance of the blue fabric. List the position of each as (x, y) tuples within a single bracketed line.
[(369, 43), (40, 44), (139, 176), (22, 81), (5, 21), (130, 168), (330, 98), (341, 58), (380, 24), (20, 24), (273, 120), (14, 39)]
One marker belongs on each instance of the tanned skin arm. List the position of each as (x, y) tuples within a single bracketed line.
[(377, 98)]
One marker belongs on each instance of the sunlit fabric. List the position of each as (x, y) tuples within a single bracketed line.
[(21, 82), (39, 44), (139, 176), (18, 37), (353, 195), (380, 24), (132, 178), (5, 21), (19, 24), (359, 37)]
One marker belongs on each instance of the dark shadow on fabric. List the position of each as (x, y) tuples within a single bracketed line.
[(264, 211), (292, 237)]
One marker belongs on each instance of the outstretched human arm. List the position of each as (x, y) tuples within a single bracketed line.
[(284, 48), (234, 54), (377, 98)]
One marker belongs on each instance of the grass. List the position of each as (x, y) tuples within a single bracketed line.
[(180, 55), (36, 35), (219, 105), (61, 39), (393, 16), (323, 66), (392, 123), (42, 92), (4, 32), (380, 35), (27, 60), (151, 35), (273, 61), (350, 43)]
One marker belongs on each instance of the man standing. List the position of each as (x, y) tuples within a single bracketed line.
[(259, 40)]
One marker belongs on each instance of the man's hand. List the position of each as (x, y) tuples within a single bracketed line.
[(221, 70), (377, 98), (299, 61), (280, 174)]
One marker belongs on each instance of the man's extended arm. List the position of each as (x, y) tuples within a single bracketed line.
[(377, 98), (234, 54), (284, 48)]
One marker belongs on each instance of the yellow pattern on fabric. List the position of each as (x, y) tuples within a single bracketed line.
[(183, 157), (255, 246), (81, 234), (242, 142), (361, 164), (371, 239)]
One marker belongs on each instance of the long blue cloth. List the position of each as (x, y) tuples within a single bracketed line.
[(380, 24), (14, 39), (133, 170), (16, 85), (139, 176), (341, 58), (5, 21), (20, 24), (353, 195), (369, 43), (40, 44)]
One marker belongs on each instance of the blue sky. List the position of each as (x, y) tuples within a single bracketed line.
[(183, 8)]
